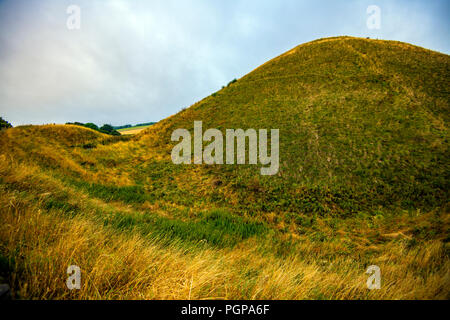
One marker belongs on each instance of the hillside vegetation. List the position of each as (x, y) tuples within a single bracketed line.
[(363, 180)]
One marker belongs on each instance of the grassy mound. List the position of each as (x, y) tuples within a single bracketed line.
[(363, 124)]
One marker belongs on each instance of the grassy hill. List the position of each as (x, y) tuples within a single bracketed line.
[(360, 119), (364, 179)]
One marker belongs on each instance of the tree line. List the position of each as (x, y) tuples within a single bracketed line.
[(106, 128), (4, 124)]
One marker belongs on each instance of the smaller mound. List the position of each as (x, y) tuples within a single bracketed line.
[(65, 135), (41, 143), (66, 150)]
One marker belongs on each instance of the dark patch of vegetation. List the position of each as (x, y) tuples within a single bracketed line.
[(216, 227), (232, 82), (123, 127), (145, 124), (108, 129), (4, 124), (127, 194)]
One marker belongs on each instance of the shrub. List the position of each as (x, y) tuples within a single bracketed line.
[(231, 82), (4, 124), (109, 129), (91, 126)]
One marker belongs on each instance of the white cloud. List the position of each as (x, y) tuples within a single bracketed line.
[(138, 61)]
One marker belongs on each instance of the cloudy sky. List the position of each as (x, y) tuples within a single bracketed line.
[(139, 61)]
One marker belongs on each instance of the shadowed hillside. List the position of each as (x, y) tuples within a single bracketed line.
[(363, 180)]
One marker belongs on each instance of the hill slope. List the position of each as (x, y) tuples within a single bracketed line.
[(359, 119)]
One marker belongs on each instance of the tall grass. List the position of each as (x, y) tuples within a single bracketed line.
[(39, 246)]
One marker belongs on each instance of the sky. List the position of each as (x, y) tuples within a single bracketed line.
[(139, 61)]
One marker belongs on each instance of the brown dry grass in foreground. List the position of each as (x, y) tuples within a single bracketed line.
[(43, 243)]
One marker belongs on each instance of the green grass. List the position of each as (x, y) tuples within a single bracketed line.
[(216, 228)]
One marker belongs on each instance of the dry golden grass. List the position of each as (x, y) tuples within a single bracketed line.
[(119, 266), (128, 266), (132, 132)]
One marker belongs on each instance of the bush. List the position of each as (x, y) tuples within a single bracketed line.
[(107, 128), (4, 124), (231, 82), (92, 126)]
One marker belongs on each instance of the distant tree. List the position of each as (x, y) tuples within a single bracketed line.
[(109, 129), (76, 123), (123, 127), (145, 124), (231, 82), (4, 124)]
